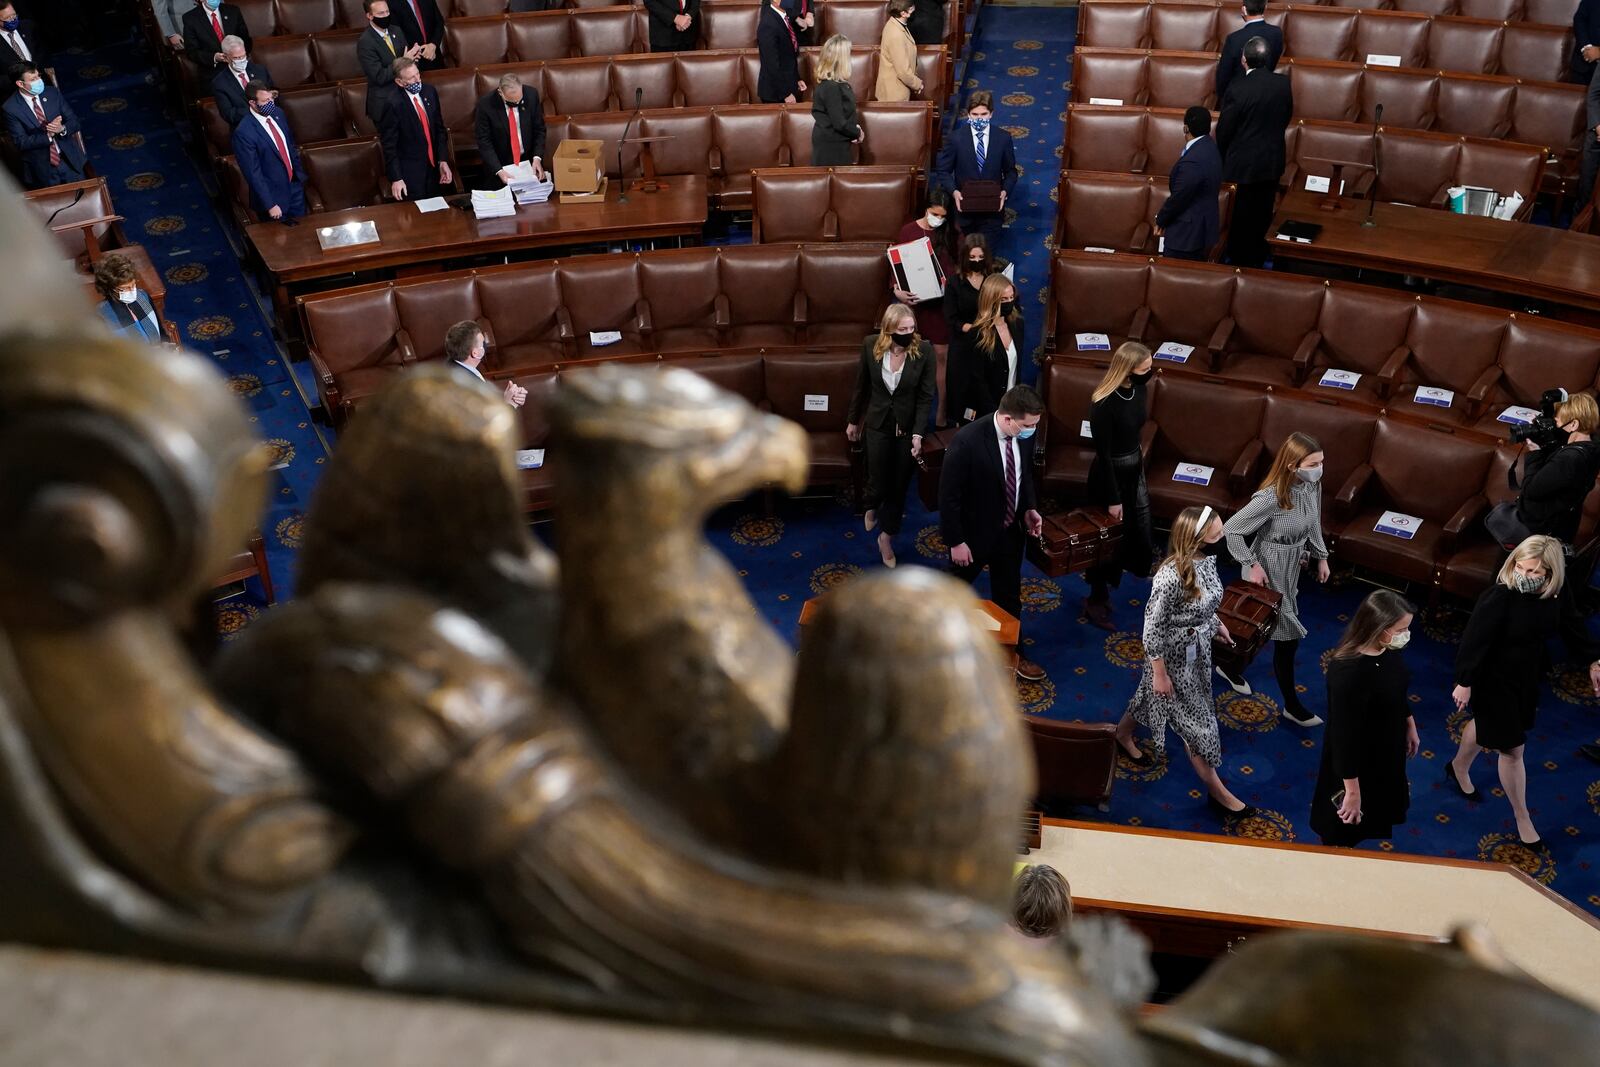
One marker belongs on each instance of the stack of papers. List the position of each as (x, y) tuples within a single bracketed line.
[(493, 205), (527, 189)]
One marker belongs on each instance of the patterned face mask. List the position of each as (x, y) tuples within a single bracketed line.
[(1527, 583)]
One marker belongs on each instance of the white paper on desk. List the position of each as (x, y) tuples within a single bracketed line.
[(1379, 59), (433, 203), (526, 188), (1317, 184), (604, 337), (493, 204), (530, 459)]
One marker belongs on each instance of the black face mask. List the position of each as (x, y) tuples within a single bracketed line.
[(1211, 548), (1140, 379), (902, 339), (381, 21), (1008, 307), (978, 266)]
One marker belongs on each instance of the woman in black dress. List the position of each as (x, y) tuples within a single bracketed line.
[(1499, 663), (1362, 792), (1117, 412), (960, 310), (834, 126), (888, 411), (992, 347)]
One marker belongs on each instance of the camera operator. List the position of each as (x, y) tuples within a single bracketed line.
[(1559, 469)]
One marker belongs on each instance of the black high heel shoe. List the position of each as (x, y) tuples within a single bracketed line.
[(1537, 846), (1476, 796), (1228, 813)]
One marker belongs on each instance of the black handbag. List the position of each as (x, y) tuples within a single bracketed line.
[(1506, 526)]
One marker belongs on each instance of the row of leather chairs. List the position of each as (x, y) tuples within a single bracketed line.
[(809, 204), (722, 144), (1375, 462), (1265, 329), (335, 111), (1117, 212), (1545, 12), (1443, 42), (541, 315)]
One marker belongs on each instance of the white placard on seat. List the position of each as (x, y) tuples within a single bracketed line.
[(1397, 524), (1093, 342), (1173, 352), (1097, 248), (530, 459), (1379, 59), (599, 338), (1339, 379), (1518, 415), (1106, 100), (1193, 473), (1431, 394), (1084, 431), (816, 401)]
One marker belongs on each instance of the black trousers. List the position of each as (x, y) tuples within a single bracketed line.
[(1197, 254), (1252, 214), (1005, 569), (889, 467)]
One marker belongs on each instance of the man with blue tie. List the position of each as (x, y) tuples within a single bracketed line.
[(1187, 223), (979, 152), (269, 159), (44, 129)]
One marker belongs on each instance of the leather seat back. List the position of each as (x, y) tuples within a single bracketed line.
[(1181, 79), (1326, 91), (1113, 78), (1503, 166), (1105, 211), (429, 307), (705, 78), (794, 381), (1319, 33), (1426, 473), (689, 150), (1475, 106), (522, 305), (797, 123), (1074, 763), (681, 289), (1344, 432), (746, 138), (1451, 345), (579, 87), (316, 113), (1408, 97), (1272, 314), (1186, 304), (539, 35), (606, 31), (760, 282), (1499, 10), (861, 21), (1066, 388), (290, 60), (1548, 12), (305, 16), (606, 127), (1417, 167), (458, 101), (1547, 114), (335, 53), (655, 74), (1536, 53), (740, 373), (1204, 422), (1362, 328), (1427, 7), (1095, 294), (601, 294), (1114, 24), (846, 287), (476, 41), (261, 17), (353, 329), (729, 25), (1200, 27), (353, 100), (901, 134), (1105, 139), (215, 129), (1314, 143), (345, 173), (1164, 139), (1392, 33), (1466, 47), (1535, 356)]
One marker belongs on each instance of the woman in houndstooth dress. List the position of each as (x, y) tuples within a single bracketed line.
[(1180, 620), (1270, 536)]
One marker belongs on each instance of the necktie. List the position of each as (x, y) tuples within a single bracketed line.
[(516, 134), (388, 42), (982, 155), (55, 149), (216, 24), (422, 117), (421, 27), (15, 40), (244, 82), (794, 42), (1011, 482), (283, 149)]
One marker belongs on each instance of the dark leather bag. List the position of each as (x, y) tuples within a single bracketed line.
[(1075, 541), (929, 464), (1250, 612), (980, 196)]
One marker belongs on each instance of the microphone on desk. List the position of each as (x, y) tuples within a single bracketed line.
[(1377, 167), (638, 106)]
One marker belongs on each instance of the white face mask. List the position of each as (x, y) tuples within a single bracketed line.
[(240, 65), (128, 296), (1399, 640), (933, 221)]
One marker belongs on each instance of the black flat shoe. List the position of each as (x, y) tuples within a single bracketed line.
[(1476, 796), (1228, 813), (1536, 846)]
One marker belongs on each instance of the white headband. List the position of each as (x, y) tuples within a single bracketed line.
[(1205, 517)]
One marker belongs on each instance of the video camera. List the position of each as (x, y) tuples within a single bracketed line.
[(1543, 431)]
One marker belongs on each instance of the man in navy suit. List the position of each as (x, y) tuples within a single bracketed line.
[(1187, 222), (1250, 134), (411, 129), (233, 78), (1255, 25), (204, 27), (44, 129), (269, 159), (778, 43), (979, 150)]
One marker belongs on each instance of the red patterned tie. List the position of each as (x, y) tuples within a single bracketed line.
[(794, 42), (422, 117), (55, 149), (216, 24), (422, 27), (283, 149), (1011, 482)]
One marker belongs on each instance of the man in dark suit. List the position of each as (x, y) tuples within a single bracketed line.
[(411, 129), (509, 126), (1585, 41), (674, 24), (1250, 135), (979, 150), (44, 129), (420, 22), (268, 157), (205, 26), (776, 40), (465, 346), (228, 85), (20, 44), (1187, 222), (987, 503), (1255, 25), (379, 45)]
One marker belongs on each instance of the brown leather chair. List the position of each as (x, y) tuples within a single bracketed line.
[(1105, 139), (858, 20), (607, 31), (1064, 454), (474, 41), (729, 25), (1534, 356), (1450, 346), (1536, 53), (1091, 293), (683, 293), (1408, 97), (335, 54), (1549, 114), (796, 125), (1344, 431), (1504, 167), (792, 204), (1500, 10), (1427, 7), (844, 287), (539, 35), (1163, 139), (689, 149), (214, 128), (793, 379), (251, 563), (1326, 90), (1272, 330), (744, 139), (1104, 211), (656, 75), (705, 78), (1417, 168), (428, 307), (1181, 80), (316, 113), (1195, 26), (1108, 24), (531, 328), (1472, 566), (579, 86), (261, 16), (602, 295), (1320, 33), (1206, 422), (290, 59), (1116, 77), (350, 13), (1363, 330), (1467, 46), (741, 373), (1548, 12), (1392, 33), (604, 126), (1310, 144), (307, 16), (533, 420), (1475, 106), (901, 134), (353, 99), (355, 344), (1187, 306), (1076, 762), (341, 174), (870, 204), (765, 303)]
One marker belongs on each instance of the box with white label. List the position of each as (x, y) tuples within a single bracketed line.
[(1193, 473), (1398, 524)]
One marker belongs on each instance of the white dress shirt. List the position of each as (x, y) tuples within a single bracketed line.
[(18, 45), (1011, 364), (891, 378)]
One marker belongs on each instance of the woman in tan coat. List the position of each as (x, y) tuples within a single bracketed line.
[(897, 56)]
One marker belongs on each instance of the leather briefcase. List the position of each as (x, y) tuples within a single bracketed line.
[(1075, 541), (1250, 612), (981, 197), (929, 464)]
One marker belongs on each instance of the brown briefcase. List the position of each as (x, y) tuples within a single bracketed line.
[(1250, 612), (981, 196), (929, 464), (1075, 541)]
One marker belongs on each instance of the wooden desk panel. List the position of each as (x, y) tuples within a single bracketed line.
[(1540, 262)]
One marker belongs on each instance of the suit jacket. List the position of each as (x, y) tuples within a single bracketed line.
[(200, 41), (1228, 67), (908, 407), (33, 142), (780, 61), (986, 372), (405, 147), (431, 31), (230, 94), (262, 167), (377, 63), (897, 64), (169, 16), (796, 10), (664, 36), (972, 488), (9, 55), (958, 159), (130, 321), (1251, 127), (1585, 30), (493, 133), (1189, 217)]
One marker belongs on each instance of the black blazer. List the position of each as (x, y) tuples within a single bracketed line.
[(907, 408), (986, 371), (405, 148), (780, 61), (431, 31), (1228, 67), (664, 36), (200, 42), (493, 133), (1251, 127), (1189, 217), (833, 113), (972, 488), (230, 94), (377, 63)]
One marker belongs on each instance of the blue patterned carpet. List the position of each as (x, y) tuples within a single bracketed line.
[(1024, 56)]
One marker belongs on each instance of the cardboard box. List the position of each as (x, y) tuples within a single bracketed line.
[(596, 197), (577, 166)]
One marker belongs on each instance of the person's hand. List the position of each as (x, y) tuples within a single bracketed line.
[(681, 22), (790, 98), (1413, 740), (217, 58), (504, 174), (916, 445), (1159, 679), (57, 126), (961, 555), (1530, 443), (1002, 200), (175, 42), (1255, 574), (1116, 512), (444, 172), (1462, 695), (861, 134), (1222, 631), (1350, 810), (966, 327), (1158, 231), (800, 86), (1322, 570), (515, 394), (274, 212), (903, 296), (1590, 53), (1594, 676), (414, 51), (957, 194), (917, 88), (1033, 522), (538, 168), (429, 51), (852, 431), (398, 190)]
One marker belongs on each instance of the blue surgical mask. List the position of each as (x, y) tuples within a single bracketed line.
[(414, 88), (978, 124), (213, 4), (11, 25), (36, 87), (1026, 432)]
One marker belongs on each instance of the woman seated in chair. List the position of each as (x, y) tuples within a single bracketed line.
[(126, 308)]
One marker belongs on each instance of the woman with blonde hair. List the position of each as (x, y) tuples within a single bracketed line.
[(889, 409), (897, 55), (834, 125), (1499, 664), (1180, 619), (1118, 408), (1270, 537), (991, 347)]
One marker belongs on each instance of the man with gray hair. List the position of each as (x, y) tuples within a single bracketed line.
[(509, 125), (231, 79), (413, 136)]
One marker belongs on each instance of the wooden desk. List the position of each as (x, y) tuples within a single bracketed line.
[(1515, 257), (410, 239)]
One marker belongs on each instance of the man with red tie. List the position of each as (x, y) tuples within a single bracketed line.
[(203, 31), (411, 129), (423, 25), (268, 158), (674, 24), (232, 81), (509, 124), (44, 130)]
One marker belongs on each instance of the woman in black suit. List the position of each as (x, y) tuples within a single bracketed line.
[(778, 81), (960, 309), (834, 126), (889, 410), (993, 348)]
